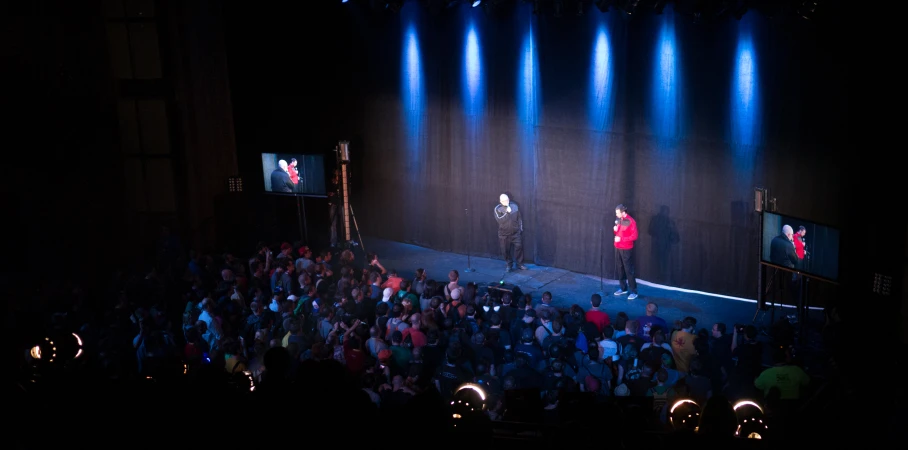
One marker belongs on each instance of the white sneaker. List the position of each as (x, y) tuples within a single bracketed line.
[(620, 292), (632, 297)]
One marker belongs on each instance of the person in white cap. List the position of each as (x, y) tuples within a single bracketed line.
[(453, 284), (387, 294), (456, 305)]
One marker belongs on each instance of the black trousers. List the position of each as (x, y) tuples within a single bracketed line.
[(515, 241), (624, 264)]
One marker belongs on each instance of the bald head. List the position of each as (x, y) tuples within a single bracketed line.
[(504, 199), (787, 230), (282, 164)]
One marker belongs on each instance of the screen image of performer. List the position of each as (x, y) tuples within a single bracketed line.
[(294, 174), (280, 178), (800, 242), (510, 231), (625, 235), (782, 249)]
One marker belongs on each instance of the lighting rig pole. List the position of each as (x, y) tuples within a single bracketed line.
[(343, 159)]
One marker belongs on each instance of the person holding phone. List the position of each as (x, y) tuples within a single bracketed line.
[(375, 265)]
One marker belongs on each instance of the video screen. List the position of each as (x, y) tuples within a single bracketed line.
[(294, 174), (799, 245)]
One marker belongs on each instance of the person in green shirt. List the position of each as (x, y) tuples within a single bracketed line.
[(406, 293), (788, 378), (399, 353)]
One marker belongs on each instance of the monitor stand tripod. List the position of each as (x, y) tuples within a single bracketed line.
[(762, 307), (358, 234)]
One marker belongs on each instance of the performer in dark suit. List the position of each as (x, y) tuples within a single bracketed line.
[(510, 231), (782, 249), (280, 179)]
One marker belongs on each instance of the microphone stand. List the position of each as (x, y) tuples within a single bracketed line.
[(617, 275), (469, 268), (601, 257)]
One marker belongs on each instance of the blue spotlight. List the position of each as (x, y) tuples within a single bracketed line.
[(477, 3), (600, 87), (473, 73), (745, 95), (666, 92), (413, 96), (528, 88), (528, 79)]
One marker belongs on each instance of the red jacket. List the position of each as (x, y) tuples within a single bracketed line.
[(394, 284), (294, 174), (627, 231), (799, 246)]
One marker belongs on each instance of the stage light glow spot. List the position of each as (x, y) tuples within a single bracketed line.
[(527, 90), (413, 97), (473, 95), (600, 100), (528, 79), (666, 92), (745, 98)]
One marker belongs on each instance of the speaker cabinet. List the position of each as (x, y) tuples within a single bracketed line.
[(760, 195)]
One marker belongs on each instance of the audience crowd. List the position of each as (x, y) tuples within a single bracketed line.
[(342, 346)]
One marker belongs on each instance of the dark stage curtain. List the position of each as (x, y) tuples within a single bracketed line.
[(434, 163)]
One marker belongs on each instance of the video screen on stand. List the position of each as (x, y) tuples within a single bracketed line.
[(800, 245), (294, 174)]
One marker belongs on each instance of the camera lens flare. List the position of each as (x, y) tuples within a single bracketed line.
[(78, 346), (751, 420), (684, 414)]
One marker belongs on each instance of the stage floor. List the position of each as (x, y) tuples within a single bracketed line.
[(569, 287)]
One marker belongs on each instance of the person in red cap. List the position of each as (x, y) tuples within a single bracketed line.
[(286, 249), (305, 260)]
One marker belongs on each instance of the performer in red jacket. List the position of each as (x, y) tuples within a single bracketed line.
[(800, 246), (294, 173), (625, 234)]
